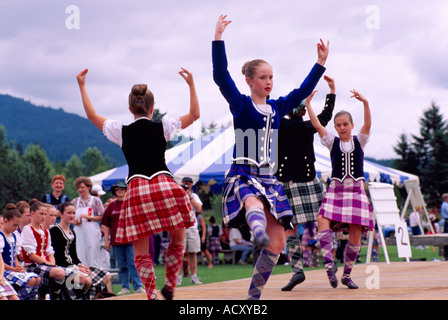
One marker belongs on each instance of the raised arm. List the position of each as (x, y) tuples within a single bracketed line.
[(91, 114), (365, 129), (327, 112), (313, 118), (194, 113)]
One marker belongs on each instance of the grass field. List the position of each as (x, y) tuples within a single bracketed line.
[(226, 272)]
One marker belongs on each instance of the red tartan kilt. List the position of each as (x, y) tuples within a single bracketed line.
[(153, 206)]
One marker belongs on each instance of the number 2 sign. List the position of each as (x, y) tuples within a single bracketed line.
[(402, 237)]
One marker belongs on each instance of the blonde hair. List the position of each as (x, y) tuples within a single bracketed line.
[(249, 67), (141, 99)]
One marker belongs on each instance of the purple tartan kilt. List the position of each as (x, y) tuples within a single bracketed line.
[(7, 289), (214, 244), (243, 181), (346, 203)]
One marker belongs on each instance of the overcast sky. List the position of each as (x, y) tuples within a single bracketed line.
[(394, 52)]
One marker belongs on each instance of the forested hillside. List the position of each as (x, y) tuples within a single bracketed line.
[(60, 134)]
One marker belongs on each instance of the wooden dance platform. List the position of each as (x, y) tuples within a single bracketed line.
[(415, 280)]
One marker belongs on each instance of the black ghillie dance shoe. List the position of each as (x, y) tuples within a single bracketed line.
[(347, 281), (296, 279), (167, 294), (331, 273)]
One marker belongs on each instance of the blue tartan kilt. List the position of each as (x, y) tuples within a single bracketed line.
[(246, 180)]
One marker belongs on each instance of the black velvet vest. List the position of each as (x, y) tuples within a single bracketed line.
[(144, 148), (346, 164)]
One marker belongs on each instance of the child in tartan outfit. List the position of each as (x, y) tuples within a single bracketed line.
[(26, 283), (153, 202), (345, 205), (252, 194), (297, 173)]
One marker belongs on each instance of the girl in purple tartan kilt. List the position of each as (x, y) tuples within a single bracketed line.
[(153, 202), (214, 242), (252, 194), (345, 205)]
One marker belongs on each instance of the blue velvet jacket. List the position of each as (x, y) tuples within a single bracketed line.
[(255, 130)]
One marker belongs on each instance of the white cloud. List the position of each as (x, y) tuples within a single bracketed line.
[(400, 66)]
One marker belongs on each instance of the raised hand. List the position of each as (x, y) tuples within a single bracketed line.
[(358, 96), (221, 25), (309, 98), (322, 52), (365, 129), (330, 82), (187, 75), (81, 77)]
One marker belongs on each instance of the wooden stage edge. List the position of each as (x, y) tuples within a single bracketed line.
[(415, 280)]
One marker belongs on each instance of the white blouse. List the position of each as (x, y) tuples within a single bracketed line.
[(328, 141), (29, 241), (112, 128)]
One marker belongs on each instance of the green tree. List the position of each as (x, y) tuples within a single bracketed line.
[(37, 172), (432, 150), (94, 162), (11, 171), (427, 153), (408, 160), (157, 115), (73, 168)]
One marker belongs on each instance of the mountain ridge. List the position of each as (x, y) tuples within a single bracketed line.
[(60, 134)]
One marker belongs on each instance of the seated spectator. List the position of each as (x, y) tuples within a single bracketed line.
[(64, 243), (25, 283), (239, 244), (38, 254)]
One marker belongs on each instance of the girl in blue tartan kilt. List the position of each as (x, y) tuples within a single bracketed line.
[(26, 283), (252, 194)]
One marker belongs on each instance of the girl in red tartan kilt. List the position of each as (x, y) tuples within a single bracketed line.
[(154, 202)]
